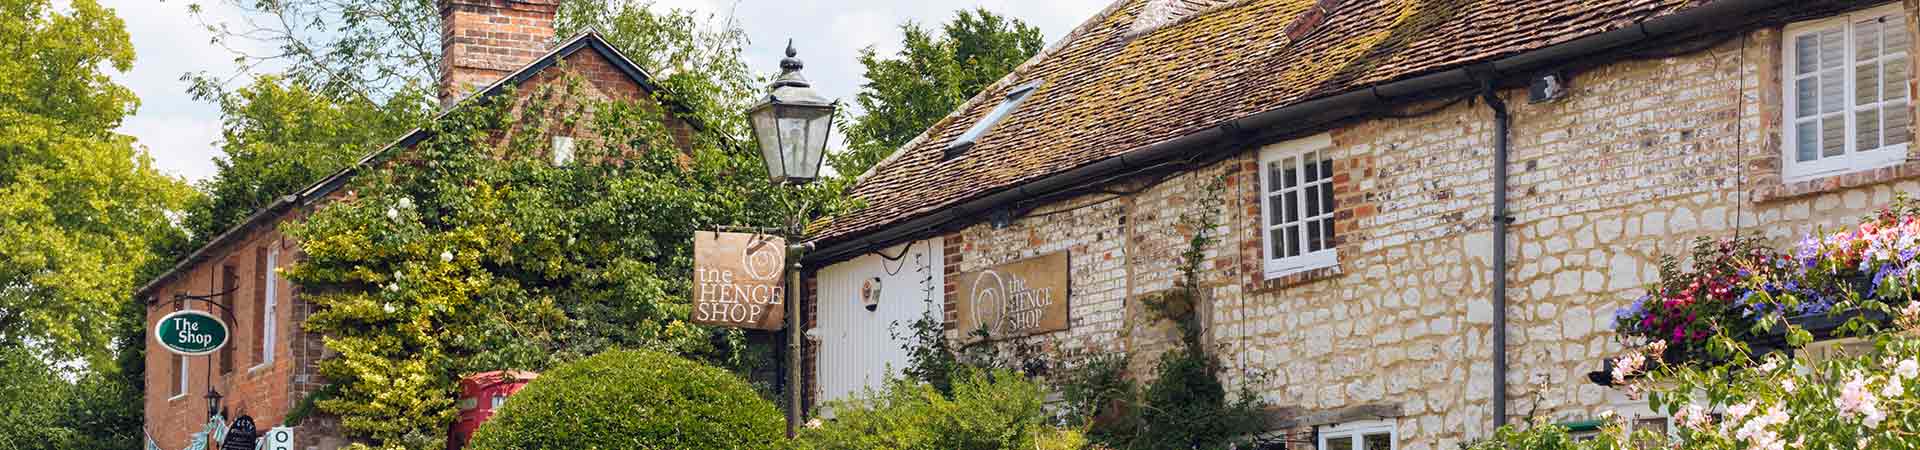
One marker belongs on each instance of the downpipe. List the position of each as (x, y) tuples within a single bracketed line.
[(1501, 220)]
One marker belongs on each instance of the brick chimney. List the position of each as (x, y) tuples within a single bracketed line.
[(484, 40)]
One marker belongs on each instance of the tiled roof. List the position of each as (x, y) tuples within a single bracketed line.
[(1110, 89)]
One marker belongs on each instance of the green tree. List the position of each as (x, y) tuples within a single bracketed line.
[(279, 136), (932, 75), (80, 206)]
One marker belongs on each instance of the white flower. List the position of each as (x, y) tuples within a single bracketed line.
[(1788, 385), (1893, 388), (1856, 399), (406, 203), (1739, 411), (1608, 414), (1908, 368), (1627, 366), (1692, 416), (814, 423), (393, 287), (446, 256), (389, 308), (393, 214)]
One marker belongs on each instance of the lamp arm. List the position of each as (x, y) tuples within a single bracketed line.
[(225, 310)]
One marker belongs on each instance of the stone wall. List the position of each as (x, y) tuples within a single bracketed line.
[(1641, 158)]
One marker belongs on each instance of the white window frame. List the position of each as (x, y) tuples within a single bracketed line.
[(1275, 266), (269, 322), (180, 364), (1853, 159), (1357, 430)]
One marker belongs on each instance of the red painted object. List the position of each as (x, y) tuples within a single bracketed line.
[(480, 395)]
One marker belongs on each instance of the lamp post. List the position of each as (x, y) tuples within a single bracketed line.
[(213, 402), (791, 126)]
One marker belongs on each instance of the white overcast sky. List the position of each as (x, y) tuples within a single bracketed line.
[(181, 133)]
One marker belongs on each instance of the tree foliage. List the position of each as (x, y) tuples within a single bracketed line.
[(80, 207), (280, 136), (635, 400), (935, 71)]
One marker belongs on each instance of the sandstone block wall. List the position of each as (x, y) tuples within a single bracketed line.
[(1644, 156)]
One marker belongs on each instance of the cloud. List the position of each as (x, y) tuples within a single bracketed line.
[(169, 42)]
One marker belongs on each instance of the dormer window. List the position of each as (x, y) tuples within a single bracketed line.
[(1013, 99)]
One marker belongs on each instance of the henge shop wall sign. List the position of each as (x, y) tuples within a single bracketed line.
[(191, 333), (739, 280), (1018, 298)]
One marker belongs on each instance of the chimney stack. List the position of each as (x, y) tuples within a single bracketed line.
[(482, 41)]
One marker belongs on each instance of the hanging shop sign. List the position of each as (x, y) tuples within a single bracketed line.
[(241, 436), (191, 333), (739, 280), (280, 438), (1015, 299)]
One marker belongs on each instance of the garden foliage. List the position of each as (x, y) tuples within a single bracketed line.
[(634, 399), (986, 410)]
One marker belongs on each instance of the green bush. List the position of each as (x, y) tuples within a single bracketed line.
[(987, 411), (634, 399)]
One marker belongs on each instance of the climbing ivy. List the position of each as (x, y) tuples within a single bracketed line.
[(474, 251)]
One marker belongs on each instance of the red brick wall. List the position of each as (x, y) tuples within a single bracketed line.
[(251, 388), (484, 40)]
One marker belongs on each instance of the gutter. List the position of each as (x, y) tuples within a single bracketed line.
[(1298, 118)]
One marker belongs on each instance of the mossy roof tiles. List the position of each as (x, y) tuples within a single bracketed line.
[(1110, 88)]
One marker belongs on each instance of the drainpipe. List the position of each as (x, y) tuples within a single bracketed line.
[(1501, 122)]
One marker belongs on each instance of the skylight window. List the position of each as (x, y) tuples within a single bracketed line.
[(1014, 97)]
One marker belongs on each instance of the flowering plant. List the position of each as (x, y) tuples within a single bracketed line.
[(1690, 305)]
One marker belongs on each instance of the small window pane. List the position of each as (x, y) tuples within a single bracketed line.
[(1326, 232), (1277, 209), (1866, 40), (1833, 132), (1866, 84), (1314, 242), (1894, 40), (1339, 443), (1312, 192), (1326, 198), (1898, 123), (1806, 51), (1894, 84), (1866, 129), (1806, 96), (1377, 441), (1274, 174), (1832, 91), (1291, 207), (1833, 49), (1279, 239), (1312, 170), (1288, 180), (1326, 168), (1293, 241), (1807, 145)]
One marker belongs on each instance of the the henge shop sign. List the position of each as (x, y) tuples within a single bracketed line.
[(1015, 299), (191, 333), (739, 280)]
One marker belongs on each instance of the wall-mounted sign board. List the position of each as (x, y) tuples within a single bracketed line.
[(739, 280), (280, 438), (1015, 299), (191, 333)]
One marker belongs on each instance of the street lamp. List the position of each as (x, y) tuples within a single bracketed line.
[(213, 402), (792, 124), (791, 128)]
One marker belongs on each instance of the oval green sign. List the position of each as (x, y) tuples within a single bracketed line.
[(191, 333)]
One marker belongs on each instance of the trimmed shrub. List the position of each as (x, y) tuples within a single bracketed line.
[(634, 399)]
